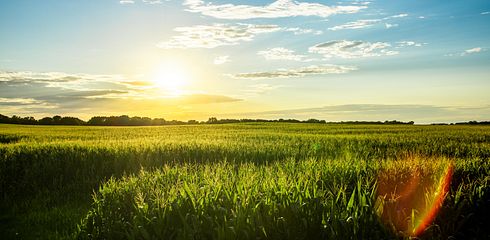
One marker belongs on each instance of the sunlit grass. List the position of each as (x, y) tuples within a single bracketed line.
[(272, 181)]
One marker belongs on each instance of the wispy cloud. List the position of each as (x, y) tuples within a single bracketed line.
[(299, 31), (215, 35), (211, 36), (279, 53), (143, 1), (19, 106), (297, 72), (388, 25), (467, 52), (473, 50), (58, 79), (24, 102), (401, 15), (365, 23), (61, 87), (152, 1), (352, 49), (277, 9), (58, 93), (409, 44), (356, 24), (485, 13), (126, 2), (221, 60)]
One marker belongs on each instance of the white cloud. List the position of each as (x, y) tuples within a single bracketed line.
[(356, 24), (72, 81), (409, 44), (152, 1), (402, 15), (485, 13), (352, 49), (388, 25), (56, 92), (19, 101), (211, 36), (299, 31), (143, 1), (364, 23), (221, 60), (277, 9), (20, 105), (473, 50), (126, 2), (280, 53), (466, 52), (298, 72)]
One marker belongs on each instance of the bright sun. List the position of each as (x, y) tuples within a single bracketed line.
[(171, 78)]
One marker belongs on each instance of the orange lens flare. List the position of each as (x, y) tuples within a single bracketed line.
[(410, 199), (441, 192)]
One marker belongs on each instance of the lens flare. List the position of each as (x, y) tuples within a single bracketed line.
[(436, 205), (410, 198)]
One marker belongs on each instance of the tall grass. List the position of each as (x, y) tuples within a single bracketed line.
[(256, 180)]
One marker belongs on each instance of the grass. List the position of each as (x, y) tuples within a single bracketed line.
[(235, 181)]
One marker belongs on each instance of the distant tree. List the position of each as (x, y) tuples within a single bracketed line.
[(71, 121), (46, 121), (474, 123), (158, 121), (146, 121), (312, 120), (56, 119), (123, 120), (289, 120), (97, 121), (227, 121), (4, 119), (212, 120), (175, 122)]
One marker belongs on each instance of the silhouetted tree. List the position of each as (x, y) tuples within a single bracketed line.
[(212, 120), (46, 121)]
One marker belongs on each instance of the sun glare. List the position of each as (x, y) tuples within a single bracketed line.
[(171, 78)]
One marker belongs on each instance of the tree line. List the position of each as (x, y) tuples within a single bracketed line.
[(125, 120)]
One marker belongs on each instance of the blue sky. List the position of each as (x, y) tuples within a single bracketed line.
[(426, 61)]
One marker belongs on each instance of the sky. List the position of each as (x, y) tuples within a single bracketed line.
[(423, 60)]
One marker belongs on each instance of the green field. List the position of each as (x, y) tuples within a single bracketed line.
[(241, 181)]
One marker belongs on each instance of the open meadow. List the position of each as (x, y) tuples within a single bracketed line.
[(244, 181)]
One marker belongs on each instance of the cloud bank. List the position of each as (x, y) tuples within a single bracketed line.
[(277, 9), (298, 72), (352, 49), (57, 93), (365, 23), (211, 36), (280, 53)]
